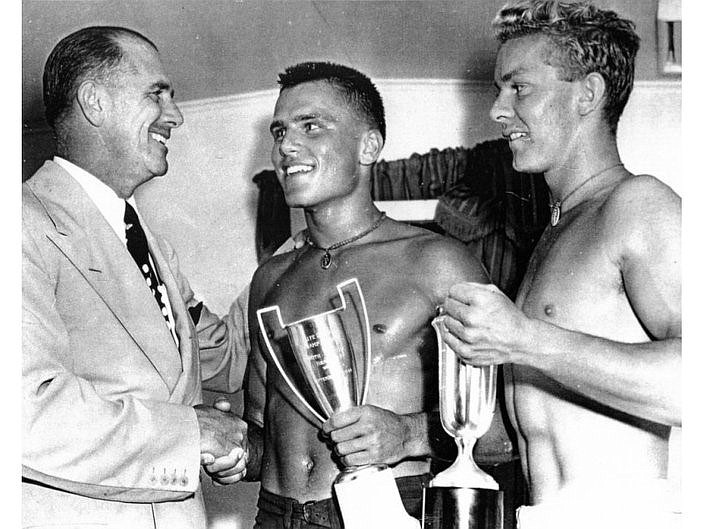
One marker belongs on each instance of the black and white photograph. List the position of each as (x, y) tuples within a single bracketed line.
[(352, 264)]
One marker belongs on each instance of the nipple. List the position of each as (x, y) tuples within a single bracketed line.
[(379, 328), (549, 310)]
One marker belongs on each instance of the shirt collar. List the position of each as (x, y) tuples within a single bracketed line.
[(111, 206)]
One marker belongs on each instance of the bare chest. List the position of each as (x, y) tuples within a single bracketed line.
[(573, 278)]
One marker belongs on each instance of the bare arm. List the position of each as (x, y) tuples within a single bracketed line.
[(255, 381), (642, 379), (372, 434)]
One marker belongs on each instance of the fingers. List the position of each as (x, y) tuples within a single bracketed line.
[(468, 292), (300, 238), (222, 404), (220, 431), (229, 469), (229, 464), (342, 419), (470, 345), (229, 480)]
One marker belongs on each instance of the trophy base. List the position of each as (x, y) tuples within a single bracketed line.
[(462, 508), (371, 500), (353, 473)]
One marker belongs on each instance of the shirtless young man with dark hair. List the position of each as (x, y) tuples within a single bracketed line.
[(328, 129)]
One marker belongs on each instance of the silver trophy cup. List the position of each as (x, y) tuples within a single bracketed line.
[(463, 496), (325, 376)]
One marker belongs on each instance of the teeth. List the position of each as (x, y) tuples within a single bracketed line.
[(516, 135), (294, 169), (158, 137)]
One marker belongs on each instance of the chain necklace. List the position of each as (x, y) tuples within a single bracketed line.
[(326, 259), (556, 206)]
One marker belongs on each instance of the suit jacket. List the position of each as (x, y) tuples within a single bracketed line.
[(110, 438)]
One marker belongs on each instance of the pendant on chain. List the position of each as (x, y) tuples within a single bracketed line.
[(325, 261)]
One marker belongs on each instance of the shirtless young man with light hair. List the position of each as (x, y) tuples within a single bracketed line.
[(593, 345), (328, 129)]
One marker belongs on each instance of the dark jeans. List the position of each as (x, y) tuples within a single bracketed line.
[(278, 512)]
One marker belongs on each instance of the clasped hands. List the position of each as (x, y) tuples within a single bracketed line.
[(224, 448)]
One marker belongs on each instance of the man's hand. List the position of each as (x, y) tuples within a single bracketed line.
[(229, 468), (224, 450), (300, 238), (369, 435), (484, 327)]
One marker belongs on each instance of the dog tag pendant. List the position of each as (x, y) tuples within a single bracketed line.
[(325, 260)]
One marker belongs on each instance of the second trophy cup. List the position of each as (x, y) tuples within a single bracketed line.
[(463, 496)]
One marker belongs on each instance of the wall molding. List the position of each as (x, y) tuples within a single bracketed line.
[(401, 84)]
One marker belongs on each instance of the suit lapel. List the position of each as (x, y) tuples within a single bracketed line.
[(182, 318), (90, 244)]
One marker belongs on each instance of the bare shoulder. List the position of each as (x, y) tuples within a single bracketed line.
[(444, 259), (644, 214), (645, 196), (269, 271)]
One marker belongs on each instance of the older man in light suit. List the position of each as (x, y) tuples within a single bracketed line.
[(114, 432)]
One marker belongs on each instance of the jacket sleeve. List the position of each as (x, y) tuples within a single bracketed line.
[(224, 342), (128, 444)]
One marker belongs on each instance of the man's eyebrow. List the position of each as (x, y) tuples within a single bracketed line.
[(163, 86), (299, 118), (308, 115), (508, 76)]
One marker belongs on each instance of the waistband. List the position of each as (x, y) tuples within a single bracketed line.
[(644, 503), (325, 512)]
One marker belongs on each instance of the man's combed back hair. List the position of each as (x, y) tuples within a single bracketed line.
[(357, 89), (585, 40), (91, 52)]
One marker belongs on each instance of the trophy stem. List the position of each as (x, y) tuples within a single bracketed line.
[(464, 472)]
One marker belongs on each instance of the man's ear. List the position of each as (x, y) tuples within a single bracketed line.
[(371, 146), (91, 98), (592, 93)]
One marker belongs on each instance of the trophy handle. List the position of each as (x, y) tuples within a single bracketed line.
[(367, 334), (281, 369)]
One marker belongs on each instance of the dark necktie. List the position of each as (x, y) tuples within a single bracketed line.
[(137, 246)]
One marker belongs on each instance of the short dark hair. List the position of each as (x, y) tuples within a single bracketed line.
[(92, 51), (585, 39), (357, 89)]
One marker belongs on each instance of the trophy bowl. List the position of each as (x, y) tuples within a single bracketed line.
[(328, 378), (463, 496)]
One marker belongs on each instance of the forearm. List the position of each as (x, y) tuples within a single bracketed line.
[(223, 343), (425, 437), (642, 379), (256, 446), (85, 444)]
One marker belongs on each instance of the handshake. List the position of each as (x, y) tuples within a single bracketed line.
[(224, 448)]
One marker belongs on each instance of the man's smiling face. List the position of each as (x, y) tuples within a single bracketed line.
[(141, 115), (535, 108), (316, 144)]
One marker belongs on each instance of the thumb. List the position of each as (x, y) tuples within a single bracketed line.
[(222, 404)]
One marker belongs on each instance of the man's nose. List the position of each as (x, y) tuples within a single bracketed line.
[(501, 108), (172, 114), (288, 143)]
